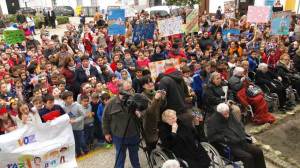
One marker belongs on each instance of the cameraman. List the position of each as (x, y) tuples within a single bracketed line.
[(114, 122), (152, 114)]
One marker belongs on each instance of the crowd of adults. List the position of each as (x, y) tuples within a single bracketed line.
[(87, 74)]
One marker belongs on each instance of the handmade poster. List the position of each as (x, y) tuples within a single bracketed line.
[(45, 146), (116, 22), (269, 2), (13, 36), (258, 14), (143, 31), (231, 34), (159, 67), (192, 22), (171, 26), (281, 22), (290, 5), (229, 9)]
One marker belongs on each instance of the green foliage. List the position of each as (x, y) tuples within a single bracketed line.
[(62, 19), (183, 2)]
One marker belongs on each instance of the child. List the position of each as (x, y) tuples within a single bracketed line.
[(37, 102), (104, 99), (7, 124), (57, 100), (88, 120), (50, 111), (25, 116), (73, 109), (95, 104)]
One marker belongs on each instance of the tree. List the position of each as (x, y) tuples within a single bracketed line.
[(183, 2)]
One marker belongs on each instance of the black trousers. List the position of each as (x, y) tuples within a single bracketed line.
[(280, 91), (249, 154)]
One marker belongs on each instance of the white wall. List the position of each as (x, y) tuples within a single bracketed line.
[(3, 7), (214, 4)]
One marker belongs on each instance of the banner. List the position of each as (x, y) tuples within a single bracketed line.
[(281, 22), (159, 67), (13, 36), (231, 34), (171, 26), (192, 22), (258, 14), (229, 9), (116, 22), (45, 146), (143, 31)]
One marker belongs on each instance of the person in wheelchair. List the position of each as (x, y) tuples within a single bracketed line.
[(223, 128), (270, 82), (182, 140), (250, 96), (287, 74)]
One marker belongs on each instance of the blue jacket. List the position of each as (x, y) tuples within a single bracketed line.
[(252, 64), (100, 111), (197, 86)]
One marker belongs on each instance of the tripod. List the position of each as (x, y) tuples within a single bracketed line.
[(140, 130)]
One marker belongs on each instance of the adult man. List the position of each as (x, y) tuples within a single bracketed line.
[(177, 97), (52, 17), (223, 127), (114, 123)]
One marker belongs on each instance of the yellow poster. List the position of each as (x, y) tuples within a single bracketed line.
[(290, 5)]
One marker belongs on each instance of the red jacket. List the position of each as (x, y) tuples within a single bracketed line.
[(88, 43), (181, 54)]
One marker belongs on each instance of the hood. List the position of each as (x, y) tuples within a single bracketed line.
[(174, 74)]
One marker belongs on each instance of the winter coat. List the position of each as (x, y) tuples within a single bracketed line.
[(176, 89), (205, 42), (184, 144), (81, 77), (213, 95)]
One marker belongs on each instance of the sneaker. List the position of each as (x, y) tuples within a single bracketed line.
[(108, 146)]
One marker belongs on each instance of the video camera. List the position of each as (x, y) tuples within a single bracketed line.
[(134, 102)]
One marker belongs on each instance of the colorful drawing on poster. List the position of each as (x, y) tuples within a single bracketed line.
[(231, 34), (229, 9), (171, 26), (281, 22), (258, 14), (192, 22), (116, 22), (143, 31)]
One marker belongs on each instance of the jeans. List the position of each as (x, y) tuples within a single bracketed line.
[(130, 143), (89, 133), (79, 142)]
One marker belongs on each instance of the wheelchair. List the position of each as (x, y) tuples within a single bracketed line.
[(160, 155)]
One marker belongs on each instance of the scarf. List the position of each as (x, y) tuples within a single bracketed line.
[(87, 70), (72, 68)]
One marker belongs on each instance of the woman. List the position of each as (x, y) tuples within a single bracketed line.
[(235, 50), (264, 78), (158, 55), (68, 71), (182, 141), (284, 71)]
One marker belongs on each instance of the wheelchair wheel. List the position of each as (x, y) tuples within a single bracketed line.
[(158, 158), (216, 158)]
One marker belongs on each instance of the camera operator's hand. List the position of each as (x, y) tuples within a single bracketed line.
[(108, 138), (158, 95), (174, 127)]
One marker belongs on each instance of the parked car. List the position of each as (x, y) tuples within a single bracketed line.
[(27, 10), (64, 11)]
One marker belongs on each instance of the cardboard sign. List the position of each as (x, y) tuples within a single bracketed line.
[(116, 22), (281, 22), (231, 34), (258, 14), (171, 26), (13, 36), (159, 67)]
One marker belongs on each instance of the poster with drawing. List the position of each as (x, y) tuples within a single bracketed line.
[(281, 22), (229, 9), (171, 26), (258, 14)]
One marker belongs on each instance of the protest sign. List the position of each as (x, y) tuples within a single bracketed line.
[(159, 67), (48, 145), (143, 31), (192, 22), (13, 36), (231, 34), (269, 2), (171, 26), (258, 14), (229, 9), (281, 22), (116, 22), (290, 5)]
